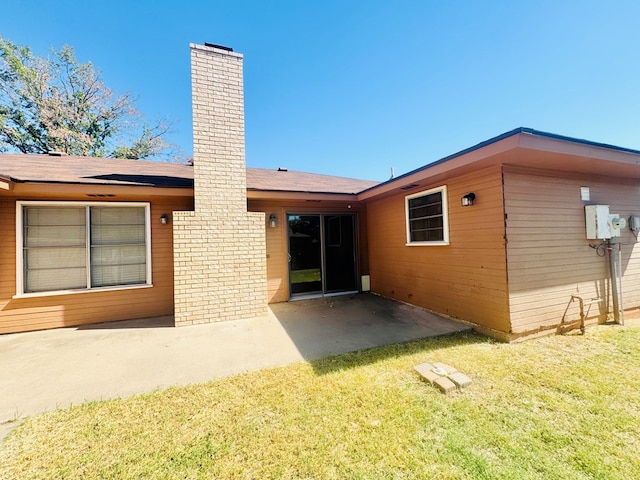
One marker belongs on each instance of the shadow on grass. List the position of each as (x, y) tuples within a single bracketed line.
[(373, 355)]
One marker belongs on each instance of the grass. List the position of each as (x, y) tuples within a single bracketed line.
[(553, 408), (305, 276)]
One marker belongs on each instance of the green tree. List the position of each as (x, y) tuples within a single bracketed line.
[(56, 103)]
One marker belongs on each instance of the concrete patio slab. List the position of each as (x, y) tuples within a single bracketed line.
[(45, 370)]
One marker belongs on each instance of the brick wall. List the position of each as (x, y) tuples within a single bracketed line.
[(219, 249)]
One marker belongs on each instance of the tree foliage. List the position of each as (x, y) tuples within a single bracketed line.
[(58, 104)]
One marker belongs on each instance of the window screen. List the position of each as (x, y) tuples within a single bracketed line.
[(427, 217), (62, 250)]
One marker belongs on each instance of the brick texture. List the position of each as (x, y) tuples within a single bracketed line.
[(219, 248)]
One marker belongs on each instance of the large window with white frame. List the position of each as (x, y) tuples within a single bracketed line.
[(81, 246), (427, 217)]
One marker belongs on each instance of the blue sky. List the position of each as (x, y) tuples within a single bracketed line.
[(353, 88)]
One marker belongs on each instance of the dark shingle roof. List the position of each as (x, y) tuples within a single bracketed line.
[(292, 181), (110, 171), (94, 171)]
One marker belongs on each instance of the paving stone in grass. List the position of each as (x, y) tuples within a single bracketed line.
[(460, 379), (445, 377)]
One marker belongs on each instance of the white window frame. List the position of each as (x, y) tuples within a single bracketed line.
[(445, 217), (20, 293)]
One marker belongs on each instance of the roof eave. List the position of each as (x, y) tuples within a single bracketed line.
[(525, 138), (6, 182), (42, 189), (91, 184), (263, 194), (493, 146)]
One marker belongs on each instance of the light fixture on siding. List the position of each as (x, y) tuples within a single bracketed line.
[(164, 219), (273, 220), (467, 200)]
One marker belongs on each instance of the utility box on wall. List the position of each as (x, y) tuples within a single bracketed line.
[(597, 221), (602, 225), (616, 224)]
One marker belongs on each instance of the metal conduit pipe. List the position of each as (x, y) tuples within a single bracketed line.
[(613, 267), (620, 286)]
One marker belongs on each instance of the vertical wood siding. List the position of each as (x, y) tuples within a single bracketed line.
[(549, 257), (465, 279), (277, 241), (37, 313)]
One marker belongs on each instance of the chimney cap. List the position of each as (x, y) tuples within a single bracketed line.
[(221, 47)]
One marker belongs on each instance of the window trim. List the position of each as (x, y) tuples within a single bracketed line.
[(20, 293), (445, 217)]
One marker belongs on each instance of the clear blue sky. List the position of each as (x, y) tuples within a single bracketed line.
[(352, 88)]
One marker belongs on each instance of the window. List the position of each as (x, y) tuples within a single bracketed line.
[(427, 222), (81, 246)]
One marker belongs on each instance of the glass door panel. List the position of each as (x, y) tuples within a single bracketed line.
[(305, 254), (340, 261)]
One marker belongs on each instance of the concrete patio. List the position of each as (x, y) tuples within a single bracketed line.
[(45, 370)]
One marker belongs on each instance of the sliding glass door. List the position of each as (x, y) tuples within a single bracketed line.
[(322, 254), (305, 254)]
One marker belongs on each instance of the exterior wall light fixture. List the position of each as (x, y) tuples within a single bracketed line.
[(273, 220), (164, 219), (467, 200)]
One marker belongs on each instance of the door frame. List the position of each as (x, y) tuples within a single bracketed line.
[(323, 256)]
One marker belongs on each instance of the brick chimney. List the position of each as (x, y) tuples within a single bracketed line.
[(218, 129), (219, 249)]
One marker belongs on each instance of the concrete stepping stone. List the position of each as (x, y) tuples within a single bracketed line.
[(442, 376)]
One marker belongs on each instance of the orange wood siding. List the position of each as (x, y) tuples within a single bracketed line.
[(465, 279), (277, 247), (549, 258), (36, 313)]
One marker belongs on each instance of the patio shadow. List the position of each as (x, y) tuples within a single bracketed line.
[(328, 326), (151, 322)]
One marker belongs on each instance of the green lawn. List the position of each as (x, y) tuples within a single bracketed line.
[(553, 408), (305, 276)]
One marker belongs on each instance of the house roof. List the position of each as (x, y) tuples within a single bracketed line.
[(283, 180), (21, 168), (516, 131), (522, 147)]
